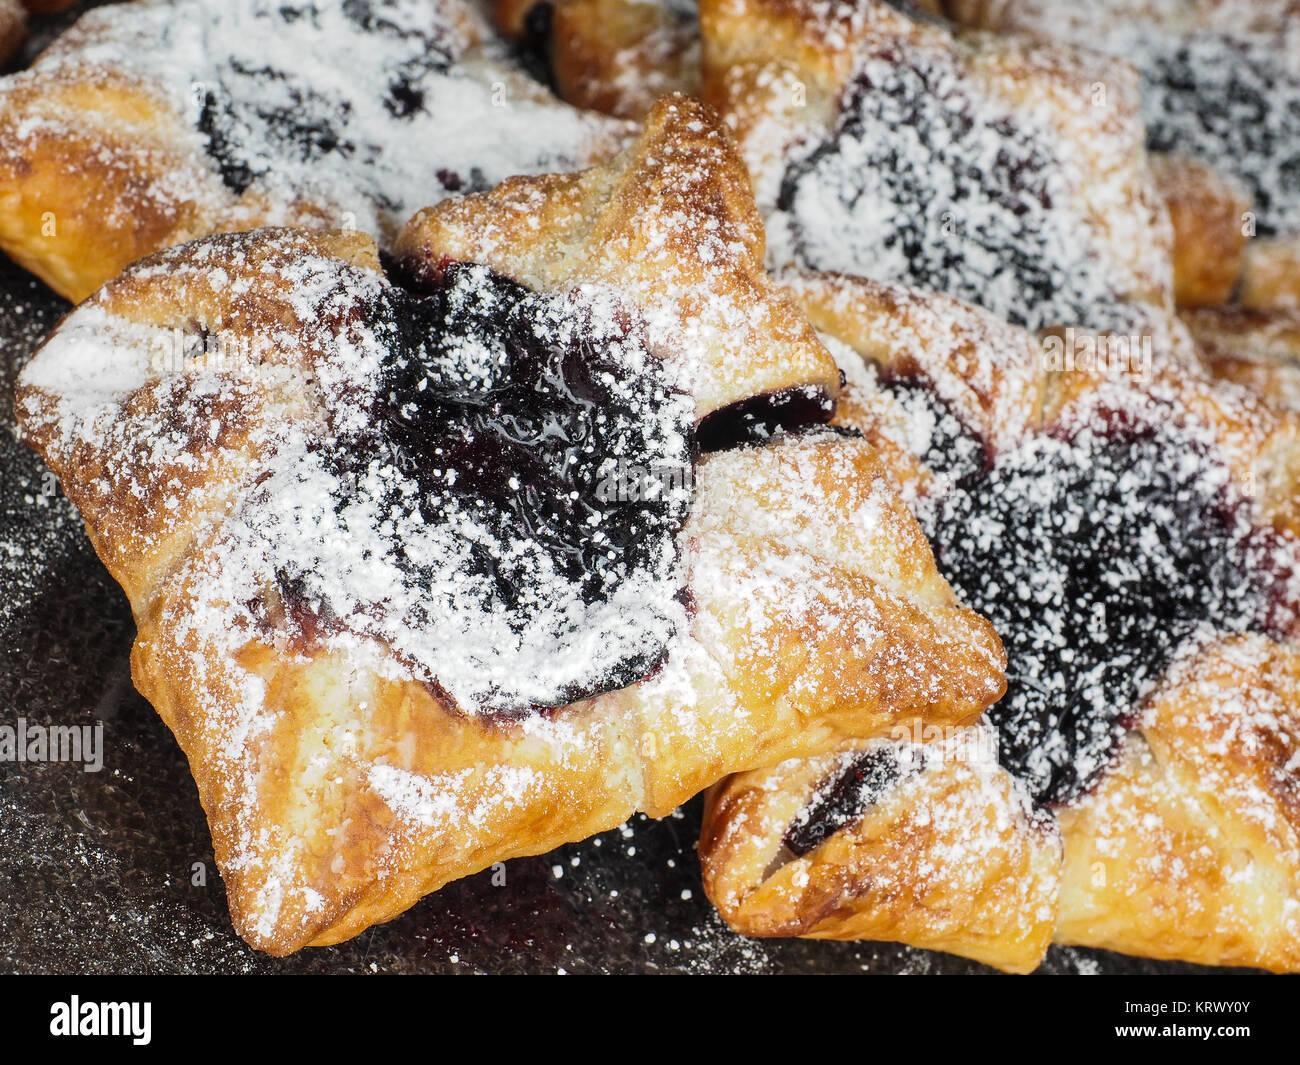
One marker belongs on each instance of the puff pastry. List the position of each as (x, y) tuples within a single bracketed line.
[(151, 123), (404, 621), (1008, 173), (1219, 84), (615, 56), (1258, 349), (1130, 528)]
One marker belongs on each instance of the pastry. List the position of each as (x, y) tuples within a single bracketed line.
[(1220, 84), (615, 56), (1004, 172), (151, 123), (927, 843), (437, 573), (1129, 524), (1258, 349)]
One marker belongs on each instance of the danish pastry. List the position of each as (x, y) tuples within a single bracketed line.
[(1004, 172), (615, 56), (430, 575), (151, 123), (1129, 525), (1258, 349), (1220, 84)]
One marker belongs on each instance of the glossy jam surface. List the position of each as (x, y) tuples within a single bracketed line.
[(844, 797), (1097, 558), (760, 419), (525, 467)]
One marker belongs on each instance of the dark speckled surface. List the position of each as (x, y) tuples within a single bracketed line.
[(97, 869)]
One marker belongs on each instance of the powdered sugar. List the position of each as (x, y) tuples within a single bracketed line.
[(345, 533), (925, 180), (1220, 81), (364, 109)]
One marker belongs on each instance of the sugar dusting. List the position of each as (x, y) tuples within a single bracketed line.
[(39, 528), (360, 111), (928, 178), (1220, 81), (358, 542)]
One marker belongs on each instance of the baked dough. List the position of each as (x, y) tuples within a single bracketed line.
[(1007, 173), (1219, 85), (1172, 788), (152, 123), (352, 753), (615, 56), (1210, 216), (950, 856)]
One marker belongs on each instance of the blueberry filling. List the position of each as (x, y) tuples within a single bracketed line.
[(1234, 104), (844, 797), (500, 437), (1096, 558), (760, 419), (923, 183), (256, 118), (533, 49)]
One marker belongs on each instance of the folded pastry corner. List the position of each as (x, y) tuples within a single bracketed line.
[(615, 56), (434, 574), (1129, 528), (1190, 847), (1220, 91), (932, 845), (1008, 173)]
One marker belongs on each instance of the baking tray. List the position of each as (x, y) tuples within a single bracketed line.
[(112, 872)]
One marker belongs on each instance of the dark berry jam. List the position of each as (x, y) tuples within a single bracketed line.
[(533, 49), (924, 182), (760, 419), (257, 115), (528, 466), (1097, 557), (845, 797), (1235, 104)]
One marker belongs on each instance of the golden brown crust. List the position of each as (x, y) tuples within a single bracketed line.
[(952, 858), (101, 165), (614, 56), (906, 333), (1190, 848), (1255, 348), (1039, 16), (1212, 262), (339, 788), (625, 222), (1208, 214), (1271, 277), (1222, 730), (777, 70), (1002, 383), (53, 205)]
